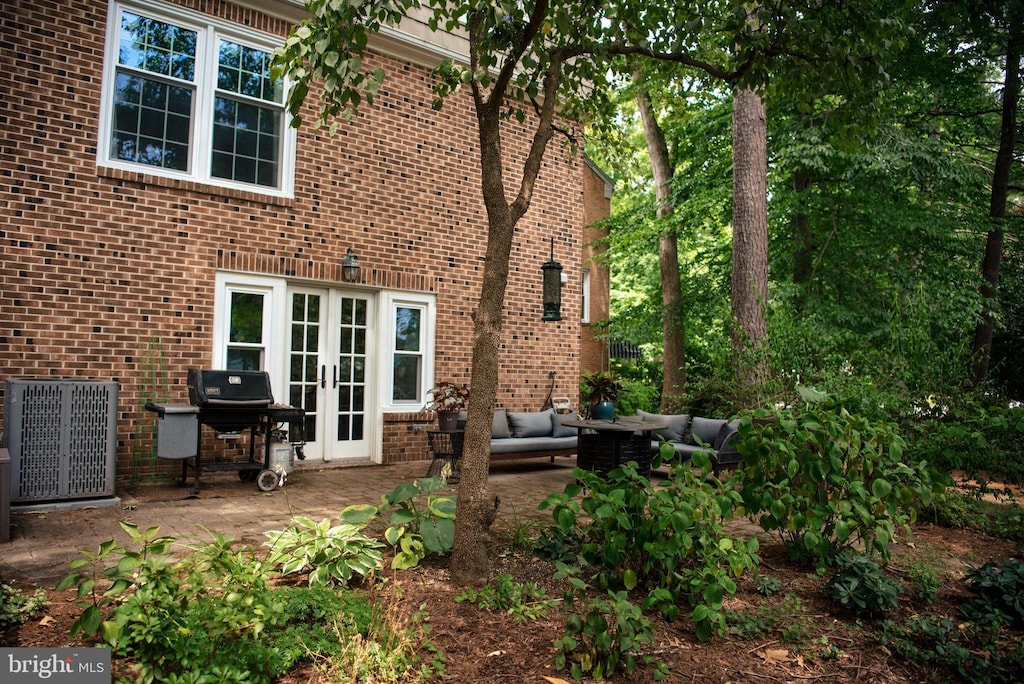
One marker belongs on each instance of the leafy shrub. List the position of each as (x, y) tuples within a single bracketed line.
[(420, 522), (524, 601), (925, 583), (857, 584), (202, 615), (939, 643), (667, 539), (16, 607), (999, 589), (784, 618), (978, 439), (330, 555), (827, 480), (602, 634)]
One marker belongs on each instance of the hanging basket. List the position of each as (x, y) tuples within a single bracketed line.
[(447, 421)]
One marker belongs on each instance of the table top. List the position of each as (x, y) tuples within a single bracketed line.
[(629, 424)]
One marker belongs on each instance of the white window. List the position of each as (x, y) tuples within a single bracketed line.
[(585, 296), (410, 327), (244, 335), (189, 96)]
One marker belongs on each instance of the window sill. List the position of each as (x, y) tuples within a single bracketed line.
[(192, 186)]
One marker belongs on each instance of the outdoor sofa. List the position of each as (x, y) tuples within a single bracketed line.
[(531, 434), (691, 434)]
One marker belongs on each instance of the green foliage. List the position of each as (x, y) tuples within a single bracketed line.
[(215, 616), (924, 581), (785, 619), (967, 510), (667, 540), (329, 555), (767, 585), (858, 585), (16, 607), (202, 616), (999, 594), (826, 480), (981, 440), (602, 634), (945, 647), (524, 601), (420, 522)]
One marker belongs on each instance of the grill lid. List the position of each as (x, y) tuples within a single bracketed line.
[(235, 389)]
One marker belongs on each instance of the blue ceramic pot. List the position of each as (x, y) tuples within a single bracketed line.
[(602, 410)]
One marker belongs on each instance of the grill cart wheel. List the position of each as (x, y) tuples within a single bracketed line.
[(267, 480)]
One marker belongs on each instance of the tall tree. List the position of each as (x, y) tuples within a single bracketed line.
[(539, 56), (750, 235), (673, 318), (1008, 22)]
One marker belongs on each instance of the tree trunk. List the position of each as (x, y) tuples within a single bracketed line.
[(805, 244), (749, 294), (477, 506), (982, 347), (673, 321)]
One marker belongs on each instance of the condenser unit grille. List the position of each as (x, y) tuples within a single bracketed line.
[(62, 436)]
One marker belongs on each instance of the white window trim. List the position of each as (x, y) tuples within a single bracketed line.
[(585, 296), (390, 303), (210, 29), (275, 338)]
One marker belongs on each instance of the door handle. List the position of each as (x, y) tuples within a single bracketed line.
[(334, 376), (323, 376)]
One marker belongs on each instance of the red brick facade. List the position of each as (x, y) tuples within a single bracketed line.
[(110, 274)]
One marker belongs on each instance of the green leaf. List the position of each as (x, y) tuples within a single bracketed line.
[(880, 488)]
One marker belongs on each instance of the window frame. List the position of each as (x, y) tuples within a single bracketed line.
[(585, 295), (274, 336), (391, 303), (210, 31)]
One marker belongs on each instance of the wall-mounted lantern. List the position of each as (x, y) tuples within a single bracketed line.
[(350, 267), (552, 271)]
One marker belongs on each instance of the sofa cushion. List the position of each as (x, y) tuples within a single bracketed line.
[(560, 430), (517, 445), (676, 424), (499, 428), (706, 429), (530, 424)]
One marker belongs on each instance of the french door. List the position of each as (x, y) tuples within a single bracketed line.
[(331, 359)]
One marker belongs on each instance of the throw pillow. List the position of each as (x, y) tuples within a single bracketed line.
[(499, 429), (676, 424), (530, 424), (560, 430)]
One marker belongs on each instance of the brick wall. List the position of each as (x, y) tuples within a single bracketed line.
[(110, 274)]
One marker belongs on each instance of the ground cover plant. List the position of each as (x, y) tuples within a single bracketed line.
[(599, 597)]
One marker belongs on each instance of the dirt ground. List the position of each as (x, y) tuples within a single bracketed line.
[(807, 639)]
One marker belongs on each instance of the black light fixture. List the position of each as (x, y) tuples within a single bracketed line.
[(552, 288), (350, 267)]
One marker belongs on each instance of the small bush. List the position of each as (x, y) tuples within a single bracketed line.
[(999, 589), (16, 607), (858, 585), (827, 480), (524, 601)]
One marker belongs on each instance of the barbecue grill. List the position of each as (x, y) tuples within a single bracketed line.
[(230, 402)]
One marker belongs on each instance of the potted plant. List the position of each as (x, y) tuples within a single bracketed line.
[(447, 399), (602, 390)]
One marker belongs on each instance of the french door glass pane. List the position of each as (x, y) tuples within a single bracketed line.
[(351, 362), (305, 358)]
